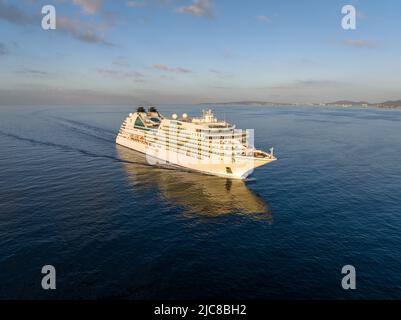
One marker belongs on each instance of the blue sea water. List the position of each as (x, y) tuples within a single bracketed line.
[(115, 227)]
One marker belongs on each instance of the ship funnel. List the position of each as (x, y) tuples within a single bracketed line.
[(152, 109)]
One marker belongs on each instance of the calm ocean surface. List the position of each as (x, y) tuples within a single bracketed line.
[(115, 227)]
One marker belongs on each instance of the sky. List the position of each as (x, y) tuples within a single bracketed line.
[(198, 51)]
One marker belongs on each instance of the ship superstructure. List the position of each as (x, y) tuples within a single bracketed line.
[(204, 144)]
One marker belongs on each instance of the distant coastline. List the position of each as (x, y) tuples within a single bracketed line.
[(340, 103)]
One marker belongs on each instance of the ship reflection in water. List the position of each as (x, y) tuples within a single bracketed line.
[(196, 193)]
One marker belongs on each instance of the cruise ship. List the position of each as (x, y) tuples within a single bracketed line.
[(204, 144)]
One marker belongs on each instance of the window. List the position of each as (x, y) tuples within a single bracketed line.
[(139, 123), (155, 119)]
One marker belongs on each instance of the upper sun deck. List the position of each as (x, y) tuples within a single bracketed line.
[(207, 122)]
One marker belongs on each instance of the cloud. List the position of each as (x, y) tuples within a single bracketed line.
[(32, 72), (89, 6), (52, 95), (136, 4), (221, 87), (3, 49), (82, 30), (14, 15), (359, 43), (120, 74), (263, 18), (134, 74), (215, 71), (221, 74), (308, 84), (199, 8), (163, 67), (228, 54), (76, 28), (121, 62)]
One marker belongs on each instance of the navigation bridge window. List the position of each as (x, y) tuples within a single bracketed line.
[(155, 120)]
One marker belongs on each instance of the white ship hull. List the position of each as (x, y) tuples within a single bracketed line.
[(239, 169), (200, 144)]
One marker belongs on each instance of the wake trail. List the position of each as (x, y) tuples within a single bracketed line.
[(85, 133), (87, 130), (73, 149), (86, 125)]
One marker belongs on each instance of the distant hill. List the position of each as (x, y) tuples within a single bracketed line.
[(249, 103), (390, 104), (386, 104), (348, 103)]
